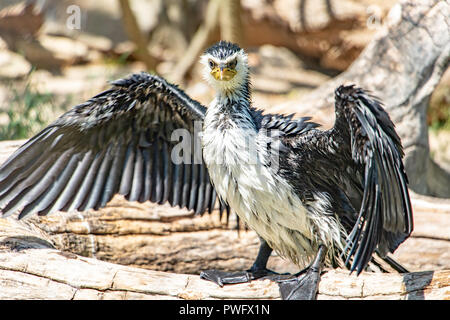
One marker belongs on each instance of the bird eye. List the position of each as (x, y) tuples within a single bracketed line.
[(232, 64), (211, 64)]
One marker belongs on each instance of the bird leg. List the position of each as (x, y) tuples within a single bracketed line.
[(305, 284), (257, 271)]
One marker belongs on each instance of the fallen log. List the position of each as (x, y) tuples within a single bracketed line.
[(169, 239), (30, 267), (53, 274), (37, 255)]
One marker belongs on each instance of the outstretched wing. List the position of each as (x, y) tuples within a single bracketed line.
[(119, 141), (385, 215)]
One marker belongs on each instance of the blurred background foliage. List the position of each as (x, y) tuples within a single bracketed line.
[(57, 53), (25, 113)]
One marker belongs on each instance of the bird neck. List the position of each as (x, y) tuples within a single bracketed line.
[(237, 91), (231, 109), (234, 100)]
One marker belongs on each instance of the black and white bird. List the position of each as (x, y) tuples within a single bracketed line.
[(319, 197)]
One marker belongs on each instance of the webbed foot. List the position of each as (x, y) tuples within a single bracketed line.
[(223, 277), (306, 283), (303, 287)]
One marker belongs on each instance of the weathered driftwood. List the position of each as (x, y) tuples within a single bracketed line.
[(401, 65), (169, 239), (141, 235), (53, 274)]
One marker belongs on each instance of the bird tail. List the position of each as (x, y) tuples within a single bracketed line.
[(385, 264), (394, 264)]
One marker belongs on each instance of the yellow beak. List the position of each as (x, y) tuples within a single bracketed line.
[(223, 74)]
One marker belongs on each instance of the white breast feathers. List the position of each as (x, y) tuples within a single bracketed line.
[(237, 158)]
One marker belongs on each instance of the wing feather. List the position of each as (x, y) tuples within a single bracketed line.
[(385, 216), (194, 186), (157, 173), (98, 187), (136, 179), (118, 142), (21, 157), (201, 190), (128, 170), (186, 185), (167, 172), (70, 189), (35, 185), (115, 174), (89, 183), (147, 178), (177, 184), (49, 197)]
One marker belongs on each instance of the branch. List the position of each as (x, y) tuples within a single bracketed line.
[(198, 43), (135, 34), (230, 22)]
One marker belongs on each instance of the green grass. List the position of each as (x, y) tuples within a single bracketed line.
[(28, 111), (121, 60), (438, 116), (25, 113)]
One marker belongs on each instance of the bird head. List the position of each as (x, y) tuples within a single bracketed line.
[(226, 66)]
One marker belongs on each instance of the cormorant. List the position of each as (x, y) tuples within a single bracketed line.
[(325, 197)]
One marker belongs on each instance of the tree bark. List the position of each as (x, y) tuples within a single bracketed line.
[(230, 22), (402, 65)]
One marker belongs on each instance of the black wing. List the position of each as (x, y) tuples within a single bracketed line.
[(365, 134), (119, 141)]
